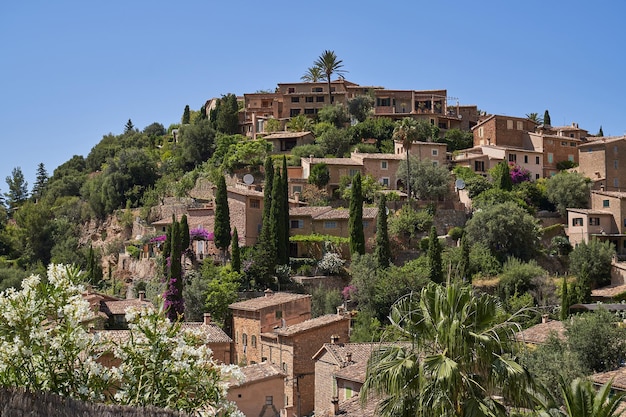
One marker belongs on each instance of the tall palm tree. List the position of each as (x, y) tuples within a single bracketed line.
[(534, 117), (456, 359), (329, 65), (406, 132), (312, 75)]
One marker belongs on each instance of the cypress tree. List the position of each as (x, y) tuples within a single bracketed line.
[(264, 237), (221, 229), (285, 198), (167, 247), (383, 251), (355, 221), (600, 132), (504, 181), (186, 115), (235, 260), (434, 257), (276, 223), (464, 267), (174, 304), (184, 234), (564, 300), (546, 118)]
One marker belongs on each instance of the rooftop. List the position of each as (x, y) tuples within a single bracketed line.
[(258, 372), (309, 325), (286, 135), (259, 303), (120, 307), (618, 376), (540, 333)]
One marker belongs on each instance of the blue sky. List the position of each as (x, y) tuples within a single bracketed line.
[(73, 71)]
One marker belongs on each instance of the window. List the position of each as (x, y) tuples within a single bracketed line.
[(279, 314), (353, 172), (536, 176), (435, 152), (520, 125), (385, 181), (295, 99), (509, 124), (550, 157), (319, 99), (294, 112), (571, 135), (297, 224), (330, 225), (253, 340), (435, 163), (615, 163), (525, 159), (309, 111), (285, 367), (577, 221), (317, 89), (570, 158), (537, 160), (255, 203), (296, 189), (594, 221), (563, 143), (442, 125), (383, 102), (572, 144), (479, 166), (615, 149), (244, 339), (481, 132), (308, 99), (512, 157), (384, 165), (348, 392), (605, 203), (291, 90), (269, 400), (615, 183)]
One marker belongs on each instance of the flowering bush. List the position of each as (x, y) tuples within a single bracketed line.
[(160, 238), (201, 234), (519, 174), (45, 346), (330, 264)]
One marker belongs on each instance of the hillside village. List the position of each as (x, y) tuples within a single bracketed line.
[(527, 213)]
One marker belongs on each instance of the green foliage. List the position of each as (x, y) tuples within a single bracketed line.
[(154, 130), (93, 271), (334, 141), (382, 251), (355, 221), (319, 175), (559, 245), (197, 142), (597, 341), (477, 185), (133, 251), (565, 300), (546, 118), (186, 116), (506, 229), (591, 261), (41, 181), (370, 187), (367, 328), (407, 223), (600, 132), (299, 123), (360, 107), (221, 291), (568, 190), (235, 260), (564, 165), (518, 277), (494, 196), (18, 190), (455, 233), (435, 272), (222, 217), (328, 64), (457, 139), (337, 115), (246, 153), (377, 128), (11, 277), (273, 125), (533, 193), (324, 301), (226, 115), (428, 181), (501, 176)]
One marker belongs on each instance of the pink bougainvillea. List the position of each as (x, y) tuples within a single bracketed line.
[(519, 174)]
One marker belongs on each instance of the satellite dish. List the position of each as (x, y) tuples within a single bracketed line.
[(248, 179), (459, 184)]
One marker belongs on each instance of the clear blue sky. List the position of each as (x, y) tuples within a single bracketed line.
[(73, 71)]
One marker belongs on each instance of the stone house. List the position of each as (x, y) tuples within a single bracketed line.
[(605, 220), (340, 370), (111, 311), (284, 142), (261, 392), (482, 158), (602, 160), (433, 151)]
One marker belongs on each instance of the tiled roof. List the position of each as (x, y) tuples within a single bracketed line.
[(353, 408), (344, 213), (615, 194), (312, 211), (601, 140), (334, 161), (589, 211), (381, 156), (241, 190), (618, 376), (259, 303), (284, 135), (609, 291), (309, 324), (540, 333), (258, 372), (212, 331), (120, 307)]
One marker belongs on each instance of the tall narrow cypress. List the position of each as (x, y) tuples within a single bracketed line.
[(174, 304), (383, 250), (221, 228), (464, 267), (355, 221), (264, 237), (564, 300), (285, 197), (235, 260), (184, 234), (277, 224), (434, 257)]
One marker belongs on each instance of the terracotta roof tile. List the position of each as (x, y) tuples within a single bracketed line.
[(258, 372), (283, 135), (309, 324), (311, 211), (259, 303), (120, 307), (212, 331), (335, 161), (540, 333), (353, 408), (618, 376)]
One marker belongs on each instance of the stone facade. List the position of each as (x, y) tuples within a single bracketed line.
[(261, 392), (602, 160)]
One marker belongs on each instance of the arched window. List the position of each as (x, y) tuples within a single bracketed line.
[(253, 341), (244, 339)]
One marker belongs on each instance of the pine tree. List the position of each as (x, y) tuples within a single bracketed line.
[(600, 132), (235, 260), (221, 230), (564, 300), (18, 190), (434, 257), (186, 115), (383, 250), (546, 118), (129, 127), (355, 221), (41, 181)]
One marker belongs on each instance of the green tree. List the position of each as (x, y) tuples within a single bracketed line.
[(319, 175), (565, 300), (184, 234), (355, 221), (227, 119), (41, 181), (299, 123), (235, 260), (174, 304), (197, 142), (458, 358), (328, 64), (383, 249), (312, 75), (546, 118), (18, 190), (265, 237), (519, 277), (506, 229), (427, 181), (334, 114), (434, 257), (600, 132), (502, 176), (464, 263), (408, 223), (273, 125), (457, 139), (568, 190), (361, 106), (284, 258), (334, 141), (593, 261), (277, 224), (186, 115), (93, 272), (583, 399), (534, 117), (129, 127), (222, 218), (406, 132)]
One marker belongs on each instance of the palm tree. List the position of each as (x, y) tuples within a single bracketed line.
[(456, 359), (582, 400), (312, 75), (534, 117), (406, 132), (329, 65)]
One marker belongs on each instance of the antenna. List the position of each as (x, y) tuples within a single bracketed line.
[(459, 184), (248, 179)]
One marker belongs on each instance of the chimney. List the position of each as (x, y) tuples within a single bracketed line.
[(335, 402), (544, 318), (296, 196), (207, 319), (142, 295), (348, 357), (334, 339), (268, 293)]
